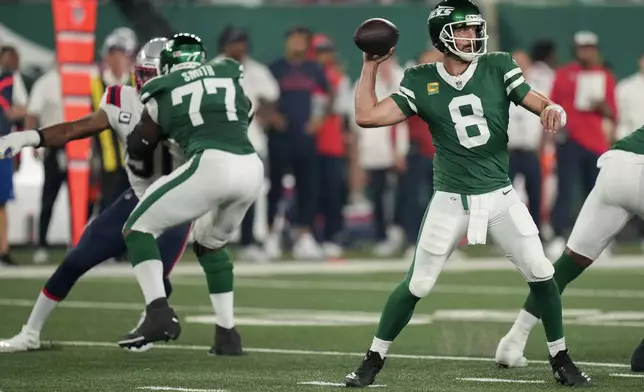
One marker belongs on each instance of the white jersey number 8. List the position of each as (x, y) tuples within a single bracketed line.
[(476, 119), (209, 85)]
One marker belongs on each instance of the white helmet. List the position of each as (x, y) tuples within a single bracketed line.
[(147, 66)]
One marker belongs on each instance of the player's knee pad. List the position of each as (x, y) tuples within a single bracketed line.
[(212, 260), (540, 269), (424, 272)]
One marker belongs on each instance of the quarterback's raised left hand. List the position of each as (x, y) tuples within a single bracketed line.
[(12, 143), (553, 118)]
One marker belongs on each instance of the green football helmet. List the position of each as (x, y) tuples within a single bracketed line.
[(450, 15), (182, 51)]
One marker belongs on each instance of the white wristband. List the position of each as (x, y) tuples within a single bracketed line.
[(560, 110)]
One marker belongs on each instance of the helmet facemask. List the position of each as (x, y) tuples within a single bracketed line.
[(143, 73), (478, 44)]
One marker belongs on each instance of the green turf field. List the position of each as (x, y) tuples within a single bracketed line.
[(307, 326)]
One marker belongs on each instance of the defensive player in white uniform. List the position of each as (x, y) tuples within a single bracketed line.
[(120, 109), (615, 199)]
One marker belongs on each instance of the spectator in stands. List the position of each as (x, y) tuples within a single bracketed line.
[(13, 103), (382, 154), (117, 56), (45, 109), (417, 183), (525, 138), (292, 139), (261, 87), (630, 101), (331, 146), (586, 90)]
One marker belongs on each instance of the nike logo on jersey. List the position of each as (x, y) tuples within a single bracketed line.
[(506, 192)]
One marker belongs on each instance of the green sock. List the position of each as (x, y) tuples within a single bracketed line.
[(566, 270), (219, 271), (141, 247), (546, 296), (397, 313)]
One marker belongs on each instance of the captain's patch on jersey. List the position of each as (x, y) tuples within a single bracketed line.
[(125, 117), (432, 88)]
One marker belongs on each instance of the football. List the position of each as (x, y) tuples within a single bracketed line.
[(376, 36)]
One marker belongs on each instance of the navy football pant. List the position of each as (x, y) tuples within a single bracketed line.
[(103, 240)]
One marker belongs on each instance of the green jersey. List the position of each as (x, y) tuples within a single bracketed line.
[(468, 118), (632, 143), (202, 108)]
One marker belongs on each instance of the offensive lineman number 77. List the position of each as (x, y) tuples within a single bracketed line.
[(209, 85)]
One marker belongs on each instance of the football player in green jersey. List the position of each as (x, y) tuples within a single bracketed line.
[(614, 200), (465, 101), (204, 109)]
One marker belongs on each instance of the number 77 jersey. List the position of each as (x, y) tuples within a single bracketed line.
[(468, 119), (202, 108)]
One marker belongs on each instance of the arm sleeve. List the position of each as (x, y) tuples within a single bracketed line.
[(515, 85), (110, 102), (405, 97)]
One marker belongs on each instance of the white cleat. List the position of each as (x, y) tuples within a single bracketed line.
[(509, 353), (26, 340)]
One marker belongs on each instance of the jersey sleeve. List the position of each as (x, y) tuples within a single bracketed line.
[(515, 85), (405, 97), (111, 104)]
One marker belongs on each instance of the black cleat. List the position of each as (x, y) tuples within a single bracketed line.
[(566, 372), (160, 324), (366, 374), (227, 342), (637, 360)]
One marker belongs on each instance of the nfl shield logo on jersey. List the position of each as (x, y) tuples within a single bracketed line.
[(452, 199)]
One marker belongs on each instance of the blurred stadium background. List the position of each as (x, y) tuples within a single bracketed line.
[(374, 204)]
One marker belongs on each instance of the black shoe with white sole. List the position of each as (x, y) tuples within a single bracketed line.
[(227, 342), (367, 372), (160, 324), (566, 372)]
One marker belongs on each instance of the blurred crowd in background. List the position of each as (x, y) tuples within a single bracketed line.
[(331, 186)]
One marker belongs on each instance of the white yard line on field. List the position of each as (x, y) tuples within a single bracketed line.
[(353, 266), (324, 353), (627, 375), (334, 384), (501, 380), (181, 389)]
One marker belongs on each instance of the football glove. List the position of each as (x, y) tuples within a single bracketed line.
[(12, 143)]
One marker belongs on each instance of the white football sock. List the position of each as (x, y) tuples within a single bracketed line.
[(556, 346), (149, 274), (522, 326), (222, 303), (40, 312), (380, 346)]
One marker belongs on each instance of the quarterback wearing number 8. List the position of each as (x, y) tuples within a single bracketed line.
[(465, 101), (204, 109)]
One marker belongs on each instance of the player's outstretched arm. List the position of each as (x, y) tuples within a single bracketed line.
[(56, 135), (143, 140), (553, 116), (369, 112)]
